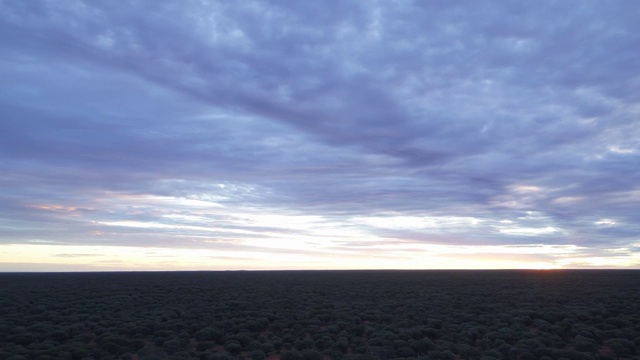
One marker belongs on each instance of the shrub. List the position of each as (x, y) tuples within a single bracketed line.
[(257, 355), (311, 355), (233, 347), (172, 346), (205, 345), (290, 355)]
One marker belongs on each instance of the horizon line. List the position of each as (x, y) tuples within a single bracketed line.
[(320, 270)]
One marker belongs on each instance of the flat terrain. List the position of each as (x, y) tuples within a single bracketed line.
[(570, 314)]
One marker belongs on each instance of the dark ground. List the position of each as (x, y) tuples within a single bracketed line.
[(558, 314)]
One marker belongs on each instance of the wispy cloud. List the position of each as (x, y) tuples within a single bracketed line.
[(75, 255)]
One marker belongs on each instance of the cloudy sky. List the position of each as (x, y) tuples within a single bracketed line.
[(175, 135)]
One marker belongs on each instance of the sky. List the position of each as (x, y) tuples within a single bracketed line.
[(259, 135)]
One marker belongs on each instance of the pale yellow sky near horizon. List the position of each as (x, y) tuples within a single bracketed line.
[(47, 257)]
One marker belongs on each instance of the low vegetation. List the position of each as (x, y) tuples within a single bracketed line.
[(313, 315)]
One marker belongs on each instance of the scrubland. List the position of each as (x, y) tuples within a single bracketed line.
[(309, 315)]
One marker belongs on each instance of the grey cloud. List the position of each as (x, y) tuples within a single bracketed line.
[(335, 110)]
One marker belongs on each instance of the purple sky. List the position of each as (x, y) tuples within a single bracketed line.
[(338, 132)]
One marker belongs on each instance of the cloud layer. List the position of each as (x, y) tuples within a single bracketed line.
[(334, 132)]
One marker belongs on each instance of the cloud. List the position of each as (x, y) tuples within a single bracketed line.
[(215, 125), (76, 255)]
